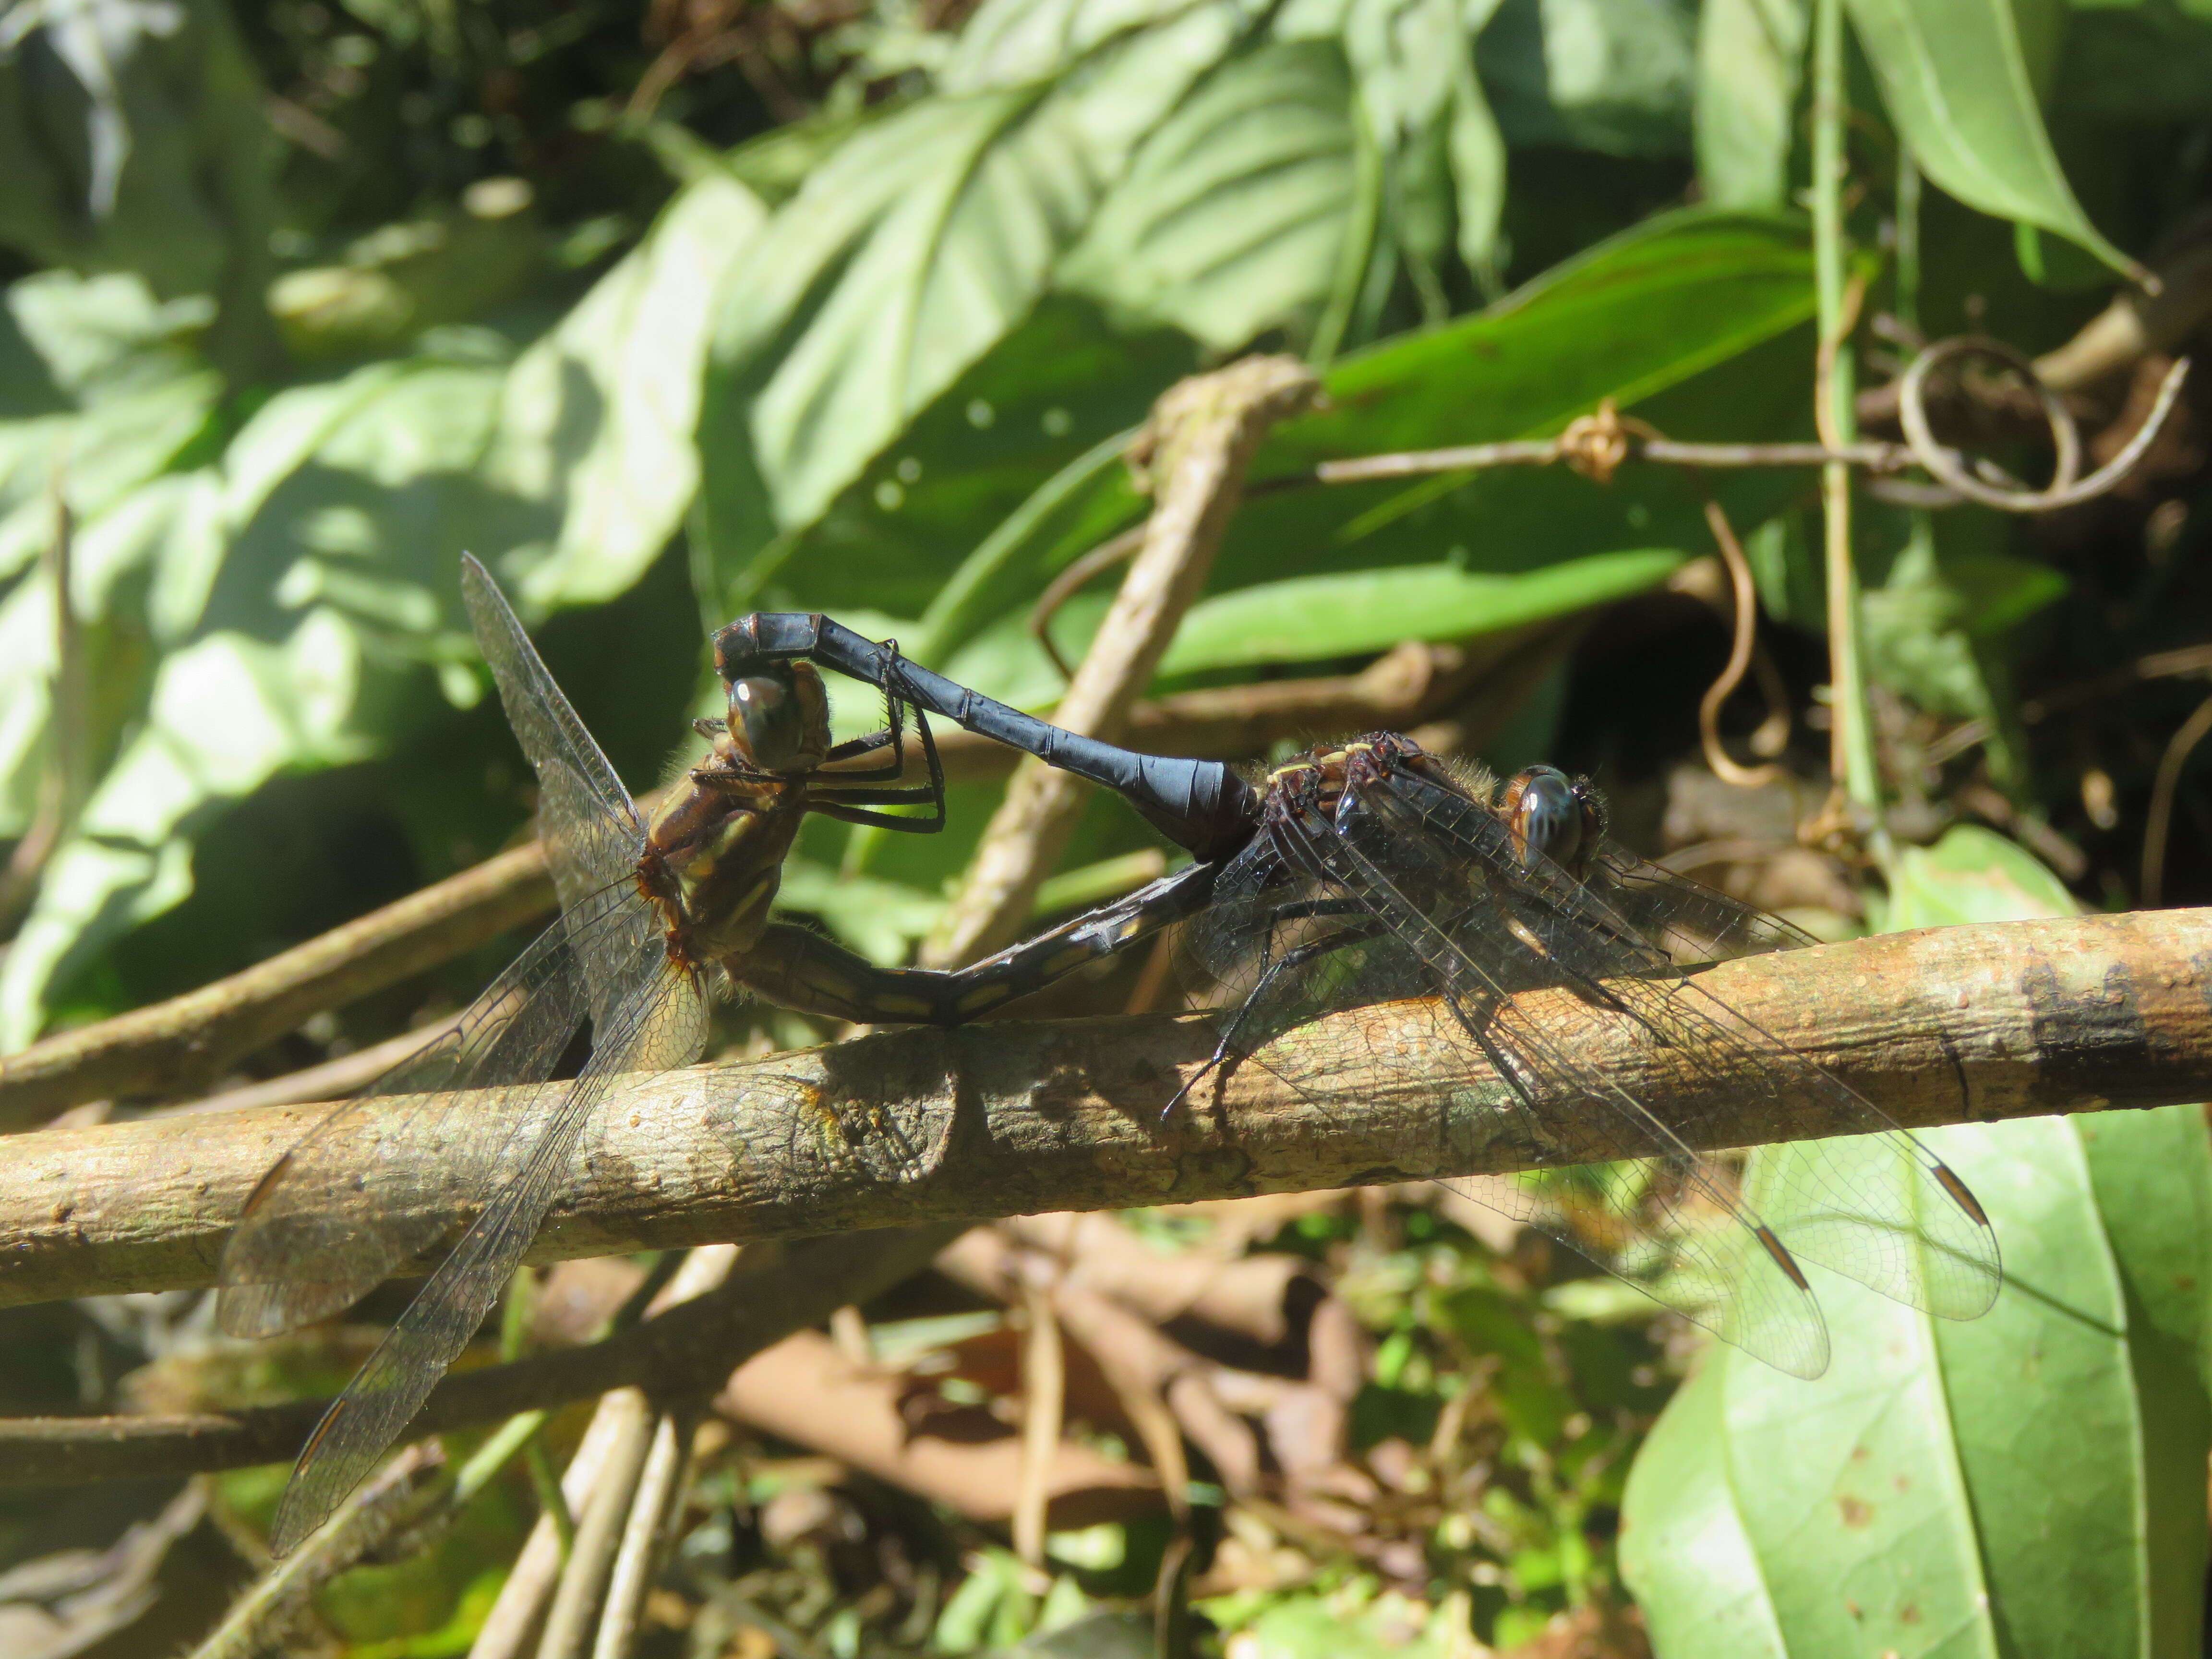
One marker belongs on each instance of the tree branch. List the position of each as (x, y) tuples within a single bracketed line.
[(691, 1349), (1940, 1026), (184, 1044)]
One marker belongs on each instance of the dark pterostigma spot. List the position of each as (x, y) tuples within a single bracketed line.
[(2088, 1045)]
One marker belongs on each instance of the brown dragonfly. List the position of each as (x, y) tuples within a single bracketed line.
[(655, 917)]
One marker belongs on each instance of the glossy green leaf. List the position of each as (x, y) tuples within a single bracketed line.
[(1232, 214), (2027, 1484), (1311, 619), (913, 251), (598, 416), (1751, 57), (1641, 313), (1956, 79)]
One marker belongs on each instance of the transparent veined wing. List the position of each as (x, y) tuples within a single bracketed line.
[(1879, 1208), (659, 1024)]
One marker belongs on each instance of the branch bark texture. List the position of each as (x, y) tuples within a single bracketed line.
[(1943, 1025)]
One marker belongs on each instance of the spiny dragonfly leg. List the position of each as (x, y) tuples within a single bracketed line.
[(1230, 1051)]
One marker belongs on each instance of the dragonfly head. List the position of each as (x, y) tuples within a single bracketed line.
[(778, 719), (1553, 816)]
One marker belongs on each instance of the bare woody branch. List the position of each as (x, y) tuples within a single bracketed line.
[(1944, 1025), (689, 1349), (1196, 449), (184, 1044)]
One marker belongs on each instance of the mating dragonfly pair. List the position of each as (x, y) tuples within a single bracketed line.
[(1367, 873)]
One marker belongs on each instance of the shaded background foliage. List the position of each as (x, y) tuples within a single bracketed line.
[(678, 311)]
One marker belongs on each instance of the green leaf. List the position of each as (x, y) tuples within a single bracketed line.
[(1972, 874), (1232, 215), (1630, 318), (2028, 1483), (1751, 56), (913, 251), (1957, 78), (227, 712), (598, 417), (2013, 1484), (1611, 76), (1311, 619)]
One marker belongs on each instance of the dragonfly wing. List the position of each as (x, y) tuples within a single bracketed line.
[(1888, 1213), (1691, 922), (1866, 1200), (1661, 1225), (662, 1023), (372, 1186), (585, 818)]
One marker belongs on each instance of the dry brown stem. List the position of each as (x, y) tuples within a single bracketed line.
[(686, 1349), (1942, 1025), (177, 1047)]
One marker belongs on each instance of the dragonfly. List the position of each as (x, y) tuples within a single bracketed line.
[(1371, 871), (658, 914)]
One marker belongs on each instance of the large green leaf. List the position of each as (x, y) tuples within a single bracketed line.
[(1958, 79), (598, 419), (2027, 1484), (1232, 215), (1312, 618), (1750, 59), (909, 254), (227, 712)]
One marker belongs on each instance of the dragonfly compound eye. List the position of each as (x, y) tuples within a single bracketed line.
[(766, 721), (1546, 816)]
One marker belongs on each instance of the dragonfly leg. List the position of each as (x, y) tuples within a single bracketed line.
[(1231, 1051)]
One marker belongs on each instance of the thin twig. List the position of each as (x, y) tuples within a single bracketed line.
[(598, 1531), (333, 1080), (2064, 488), (1021, 1117), (1746, 630), (686, 1349), (1118, 550), (1204, 432), (1044, 1398), (508, 1628), (659, 1494), (182, 1045), (2164, 786)]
